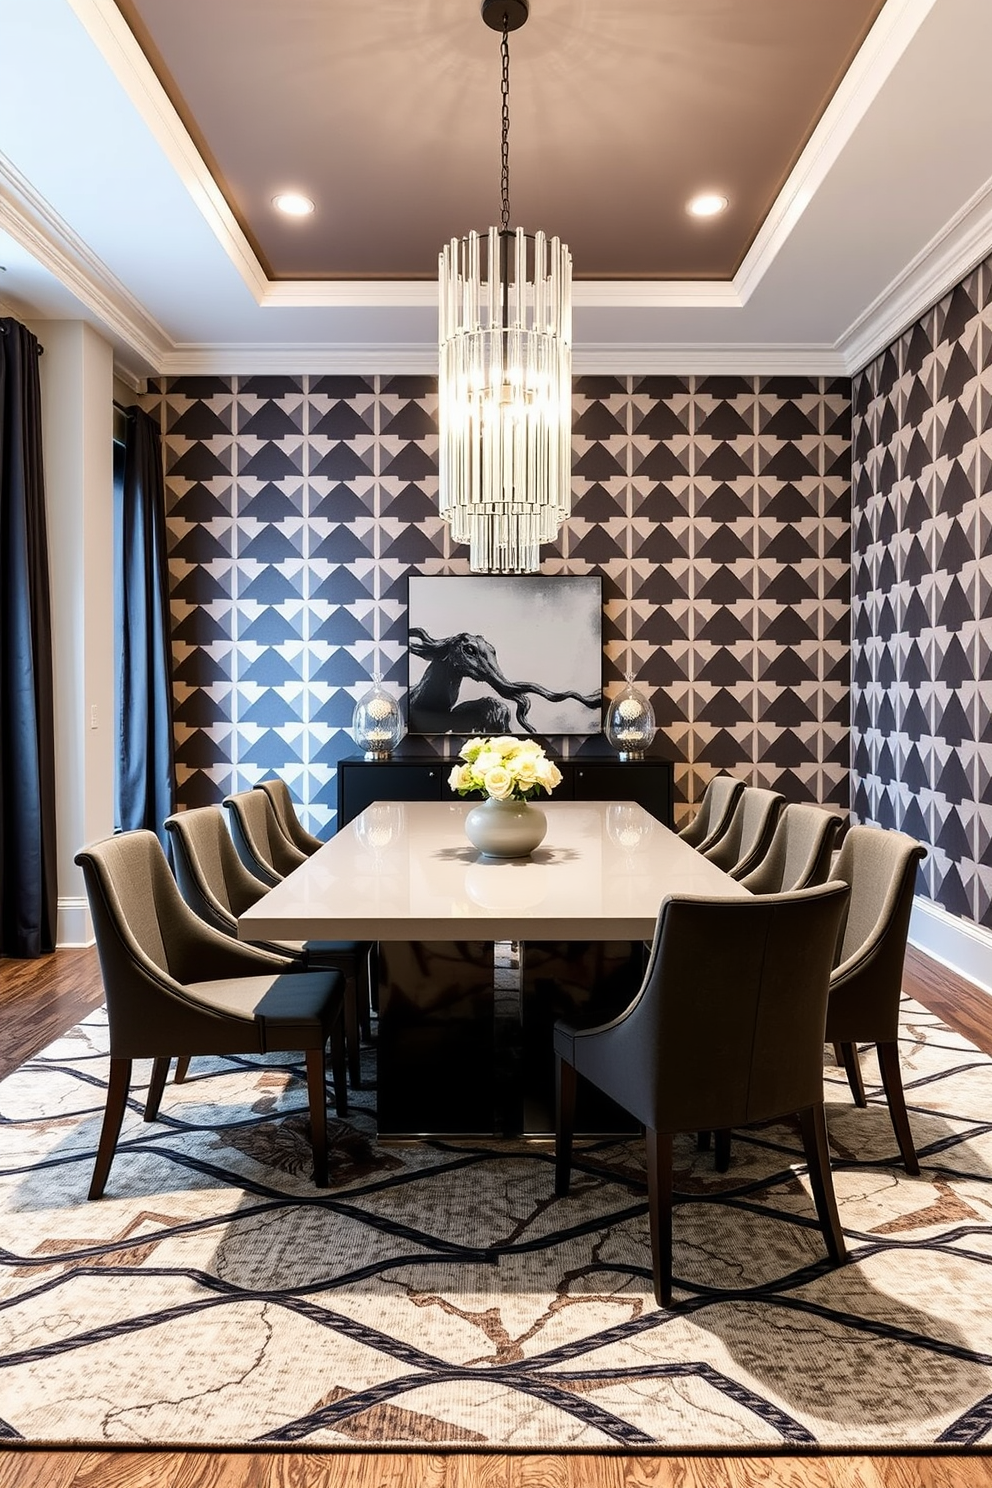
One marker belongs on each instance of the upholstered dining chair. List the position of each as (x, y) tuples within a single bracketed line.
[(726, 1029), (715, 810), (174, 985), (261, 843), (749, 833), (218, 887), (799, 853), (866, 982), (289, 823)]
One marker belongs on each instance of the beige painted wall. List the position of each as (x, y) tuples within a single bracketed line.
[(77, 392)]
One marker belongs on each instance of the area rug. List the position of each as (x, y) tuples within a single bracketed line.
[(439, 1296)]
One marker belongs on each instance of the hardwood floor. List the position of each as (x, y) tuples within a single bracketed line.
[(40, 999)]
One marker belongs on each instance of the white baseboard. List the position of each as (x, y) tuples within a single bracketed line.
[(958, 944), (74, 926)]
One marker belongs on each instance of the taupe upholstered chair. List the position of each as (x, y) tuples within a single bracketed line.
[(215, 883), (177, 986), (727, 1029), (866, 983), (278, 793), (748, 836), (715, 810), (799, 853), (261, 843)]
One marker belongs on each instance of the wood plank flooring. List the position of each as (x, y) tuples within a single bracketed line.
[(40, 999)]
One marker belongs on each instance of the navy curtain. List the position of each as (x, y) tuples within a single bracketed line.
[(28, 881), (146, 763)]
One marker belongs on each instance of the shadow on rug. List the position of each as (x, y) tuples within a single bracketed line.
[(438, 1294)]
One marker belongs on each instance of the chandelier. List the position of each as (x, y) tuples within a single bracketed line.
[(505, 384)]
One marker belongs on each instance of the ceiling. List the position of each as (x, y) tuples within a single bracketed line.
[(142, 142)]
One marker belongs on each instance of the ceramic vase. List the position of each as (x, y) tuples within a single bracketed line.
[(505, 829)]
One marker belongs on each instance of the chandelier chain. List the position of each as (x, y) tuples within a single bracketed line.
[(505, 144)]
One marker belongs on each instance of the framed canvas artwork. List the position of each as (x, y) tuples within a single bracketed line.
[(495, 654)]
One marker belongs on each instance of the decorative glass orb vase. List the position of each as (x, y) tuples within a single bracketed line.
[(630, 725), (377, 723)]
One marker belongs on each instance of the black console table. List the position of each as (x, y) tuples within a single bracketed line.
[(425, 778)]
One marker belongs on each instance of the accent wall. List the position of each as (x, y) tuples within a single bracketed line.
[(716, 509)]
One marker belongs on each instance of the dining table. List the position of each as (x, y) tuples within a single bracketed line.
[(477, 957)]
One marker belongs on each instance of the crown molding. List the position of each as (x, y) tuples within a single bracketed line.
[(297, 359), (115, 42), (951, 254), (895, 26), (51, 242)]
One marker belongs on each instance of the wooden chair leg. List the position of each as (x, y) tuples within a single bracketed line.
[(339, 1066), (564, 1123), (113, 1116), (352, 1035), (317, 1092), (852, 1066), (659, 1154), (721, 1160), (156, 1085), (888, 1064), (814, 1129), (182, 1069)]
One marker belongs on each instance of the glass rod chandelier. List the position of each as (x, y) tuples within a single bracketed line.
[(505, 375)]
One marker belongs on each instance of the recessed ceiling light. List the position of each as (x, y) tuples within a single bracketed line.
[(293, 203), (708, 204)]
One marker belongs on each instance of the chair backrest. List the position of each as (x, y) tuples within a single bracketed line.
[(799, 854), (748, 836), (289, 823), (880, 868), (258, 837), (715, 810), (211, 876), (728, 1025)]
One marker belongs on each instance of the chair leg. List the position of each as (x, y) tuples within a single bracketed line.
[(813, 1123), (659, 1154), (721, 1160), (852, 1066), (317, 1092), (339, 1066), (351, 1029), (564, 1123), (182, 1069), (156, 1085), (113, 1116), (888, 1064)]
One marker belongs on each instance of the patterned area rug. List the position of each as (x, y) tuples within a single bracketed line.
[(439, 1295)]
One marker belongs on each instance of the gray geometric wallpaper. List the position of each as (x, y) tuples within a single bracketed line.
[(716, 509), (922, 574)]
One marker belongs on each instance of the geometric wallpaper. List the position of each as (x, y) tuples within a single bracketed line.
[(922, 579), (716, 509)]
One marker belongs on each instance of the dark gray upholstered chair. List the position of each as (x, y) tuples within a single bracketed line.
[(748, 836), (261, 843), (727, 1029), (289, 823), (175, 986), (866, 983), (715, 810), (215, 883), (799, 853)]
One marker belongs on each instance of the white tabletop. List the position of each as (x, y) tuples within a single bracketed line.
[(406, 871)]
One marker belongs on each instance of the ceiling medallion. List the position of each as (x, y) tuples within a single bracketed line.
[(505, 374)]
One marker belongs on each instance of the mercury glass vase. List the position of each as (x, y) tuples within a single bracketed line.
[(377, 723), (505, 829)]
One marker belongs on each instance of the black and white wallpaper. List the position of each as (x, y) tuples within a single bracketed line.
[(922, 575), (716, 509)]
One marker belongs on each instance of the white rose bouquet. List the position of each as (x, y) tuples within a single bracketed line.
[(504, 769)]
